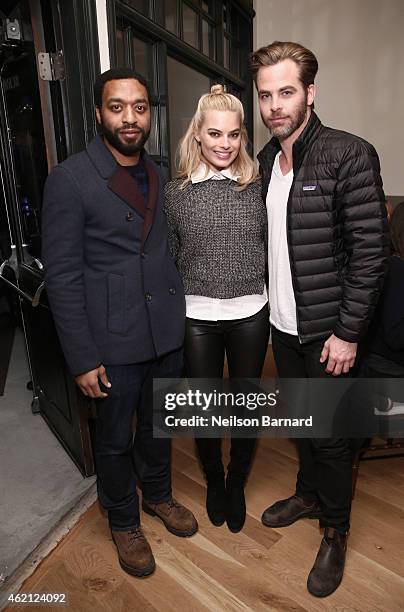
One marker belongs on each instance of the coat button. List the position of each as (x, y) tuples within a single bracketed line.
[(148, 297), (171, 291), (143, 255), (129, 216)]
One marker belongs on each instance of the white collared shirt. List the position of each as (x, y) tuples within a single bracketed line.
[(205, 173), (216, 309)]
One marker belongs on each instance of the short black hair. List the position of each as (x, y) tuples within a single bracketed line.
[(114, 74)]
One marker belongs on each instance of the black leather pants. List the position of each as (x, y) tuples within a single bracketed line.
[(245, 342)]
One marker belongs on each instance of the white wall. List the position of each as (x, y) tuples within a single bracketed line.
[(359, 45)]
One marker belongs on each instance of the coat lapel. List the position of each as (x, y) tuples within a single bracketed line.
[(152, 200), (124, 186)]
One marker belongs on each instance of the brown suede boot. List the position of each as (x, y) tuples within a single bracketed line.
[(178, 520), (328, 568), (286, 511), (134, 552)]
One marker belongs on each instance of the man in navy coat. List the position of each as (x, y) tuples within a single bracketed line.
[(118, 306)]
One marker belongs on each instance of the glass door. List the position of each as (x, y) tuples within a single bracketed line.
[(28, 139)]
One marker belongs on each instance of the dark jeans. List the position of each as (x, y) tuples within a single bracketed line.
[(325, 464), (245, 342), (120, 456)]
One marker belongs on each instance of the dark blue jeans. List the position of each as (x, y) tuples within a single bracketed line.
[(121, 457)]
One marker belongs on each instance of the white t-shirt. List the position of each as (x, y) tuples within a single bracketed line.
[(281, 295)]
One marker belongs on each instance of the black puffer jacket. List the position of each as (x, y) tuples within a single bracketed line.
[(337, 230)]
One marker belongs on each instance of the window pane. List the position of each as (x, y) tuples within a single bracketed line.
[(235, 20), (235, 59), (190, 25), (140, 5), (120, 49), (225, 18), (142, 56), (152, 145), (23, 104), (236, 92), (171, 16), (226, 52), (207, 39), (182, 100), (163, 129)]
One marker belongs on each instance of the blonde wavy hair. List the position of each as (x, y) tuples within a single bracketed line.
[(189, 154)]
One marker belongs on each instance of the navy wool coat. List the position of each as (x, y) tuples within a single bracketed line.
[(113, 288)]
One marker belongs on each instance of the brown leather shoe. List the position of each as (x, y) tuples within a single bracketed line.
[(286, 511), (134, 552), (328, 568), (178, 520)]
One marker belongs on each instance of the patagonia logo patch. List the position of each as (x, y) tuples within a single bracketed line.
[(309, 187)]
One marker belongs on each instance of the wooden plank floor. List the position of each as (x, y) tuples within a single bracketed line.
[(257, 569)]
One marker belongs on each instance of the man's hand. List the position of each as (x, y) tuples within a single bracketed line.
[(340, 354), (88, 382)]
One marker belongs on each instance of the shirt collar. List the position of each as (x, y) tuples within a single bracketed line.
[(204, 173)]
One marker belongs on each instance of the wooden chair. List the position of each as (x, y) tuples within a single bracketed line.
[(376, 448)]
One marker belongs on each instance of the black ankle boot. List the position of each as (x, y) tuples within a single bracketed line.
[(216, 501), (235, 504)]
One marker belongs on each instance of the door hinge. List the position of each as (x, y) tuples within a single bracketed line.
[(51, 66)]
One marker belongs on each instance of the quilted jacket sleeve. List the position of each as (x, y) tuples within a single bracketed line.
[(365, 233)]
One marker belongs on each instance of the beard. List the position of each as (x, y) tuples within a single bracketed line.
[(125, 148), (294, 120)]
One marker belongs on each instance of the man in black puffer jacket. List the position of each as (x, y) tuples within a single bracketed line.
[(327, 256)]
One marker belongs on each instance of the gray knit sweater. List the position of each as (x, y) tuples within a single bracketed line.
[(217, 236)]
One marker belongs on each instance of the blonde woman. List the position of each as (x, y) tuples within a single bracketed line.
[(217, 228)]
